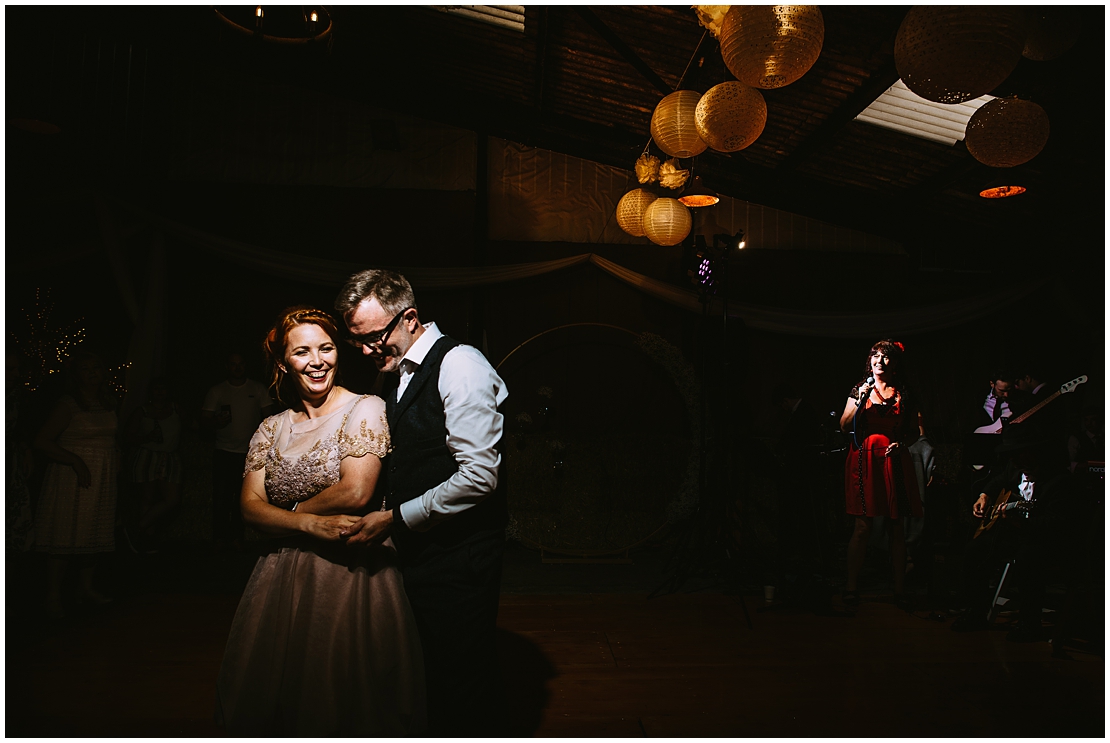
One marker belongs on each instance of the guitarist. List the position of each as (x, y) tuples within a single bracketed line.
[(980, 447), (1027, 536)]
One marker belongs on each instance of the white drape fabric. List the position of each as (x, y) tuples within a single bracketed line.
[(324, 272)]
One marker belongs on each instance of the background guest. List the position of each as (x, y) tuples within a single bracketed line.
[(155, 428), (77, 508), (18, 524), (233, 409)]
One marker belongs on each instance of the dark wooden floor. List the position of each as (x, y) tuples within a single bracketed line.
[(599, 664)]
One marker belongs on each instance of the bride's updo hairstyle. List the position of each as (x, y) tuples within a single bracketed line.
[(276, 339)]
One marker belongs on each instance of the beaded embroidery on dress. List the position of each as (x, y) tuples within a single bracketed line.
[(294, 474)]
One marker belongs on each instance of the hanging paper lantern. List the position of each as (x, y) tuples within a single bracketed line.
[(769, 46), (953, 53), (1053, 29), (672, 124), (667, 221), (630, 210), (730, 116), (1006, 132)]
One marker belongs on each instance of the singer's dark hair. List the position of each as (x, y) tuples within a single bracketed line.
[(891, 349)]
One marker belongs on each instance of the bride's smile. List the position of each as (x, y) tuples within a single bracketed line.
[(311, 357)]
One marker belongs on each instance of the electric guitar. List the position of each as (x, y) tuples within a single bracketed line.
[(996, 427), (1002, 506)]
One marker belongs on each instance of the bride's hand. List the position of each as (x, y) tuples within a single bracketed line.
[(328, 528)]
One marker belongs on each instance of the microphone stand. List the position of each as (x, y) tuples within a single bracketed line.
[(701, 542)]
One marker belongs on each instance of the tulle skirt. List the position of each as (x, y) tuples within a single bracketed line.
[(323, 643)]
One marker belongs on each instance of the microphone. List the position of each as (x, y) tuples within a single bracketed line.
[(865, 391)]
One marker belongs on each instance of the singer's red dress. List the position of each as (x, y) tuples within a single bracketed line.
[(874, 484)]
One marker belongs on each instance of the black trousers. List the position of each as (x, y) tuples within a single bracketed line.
[(454, 596), (227, 484)]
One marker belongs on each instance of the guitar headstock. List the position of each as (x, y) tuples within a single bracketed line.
[(1070, 386)]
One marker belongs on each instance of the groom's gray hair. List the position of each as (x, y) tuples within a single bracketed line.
[(391, 289)]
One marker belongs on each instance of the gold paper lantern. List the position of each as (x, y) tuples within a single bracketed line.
[(1006, 132), (730, 116), (953, 53), (769, 46), (672, 124), (667, 221), (630, 210), (1053, 29)]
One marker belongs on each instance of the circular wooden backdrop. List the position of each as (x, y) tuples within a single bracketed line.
[(597, 440)]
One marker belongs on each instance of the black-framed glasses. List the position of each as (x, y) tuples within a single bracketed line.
[(376, 339)]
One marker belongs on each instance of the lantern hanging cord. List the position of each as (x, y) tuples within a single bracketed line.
[(647, 145), (692, 58)]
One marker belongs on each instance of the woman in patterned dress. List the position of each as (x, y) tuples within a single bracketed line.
[(879, 478), (76, 516), (323, 641)]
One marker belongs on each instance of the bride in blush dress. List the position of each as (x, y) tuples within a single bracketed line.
[(323, 642)]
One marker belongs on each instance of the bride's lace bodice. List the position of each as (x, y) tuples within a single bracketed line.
[(301, 459)]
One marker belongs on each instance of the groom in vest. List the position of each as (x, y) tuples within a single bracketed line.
[(444, 503)]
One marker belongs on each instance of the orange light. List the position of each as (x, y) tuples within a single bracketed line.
[(698, 200), (1001, 192), (312, 17), (258, 11)]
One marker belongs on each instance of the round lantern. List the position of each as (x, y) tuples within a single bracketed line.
[(1053, 29), (672, 124), (630, 210), (1006, 132), (730, 116), (953, 53), (667, 221), (769, 46)]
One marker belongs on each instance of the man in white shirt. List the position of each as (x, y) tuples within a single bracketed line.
[(444, 502), (233, 409)]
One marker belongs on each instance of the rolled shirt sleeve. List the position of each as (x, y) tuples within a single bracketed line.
[(471, 392)]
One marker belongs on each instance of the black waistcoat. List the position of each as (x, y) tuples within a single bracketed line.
[(421, 460)]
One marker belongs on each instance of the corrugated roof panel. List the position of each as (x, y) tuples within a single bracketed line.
[(902, 110), (505, 16)]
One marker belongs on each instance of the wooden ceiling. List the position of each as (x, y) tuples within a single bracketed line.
[(585, 80)]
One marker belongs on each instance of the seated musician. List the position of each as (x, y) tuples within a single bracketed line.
[(1022, 508)]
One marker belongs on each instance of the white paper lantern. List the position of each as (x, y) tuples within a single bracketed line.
[(667, 221), (769, 46), (673, 127), (1006, 132), (730, 116), (630, 210), (953, 53)]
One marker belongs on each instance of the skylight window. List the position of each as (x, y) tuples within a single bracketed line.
[(505, 16), (902, 110)]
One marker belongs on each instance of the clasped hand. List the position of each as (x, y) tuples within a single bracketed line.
[(891, 449), (370, 529), (330, 528)]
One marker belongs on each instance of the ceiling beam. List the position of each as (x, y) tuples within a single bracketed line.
[(852, 106), (623, 49)]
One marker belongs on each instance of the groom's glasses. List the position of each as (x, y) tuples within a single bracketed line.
[(376, 339)]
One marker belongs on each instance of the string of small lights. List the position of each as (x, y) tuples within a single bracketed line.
[(117, 378), (45, 341)]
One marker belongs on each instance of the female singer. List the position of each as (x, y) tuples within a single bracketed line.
[(879, 477)]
